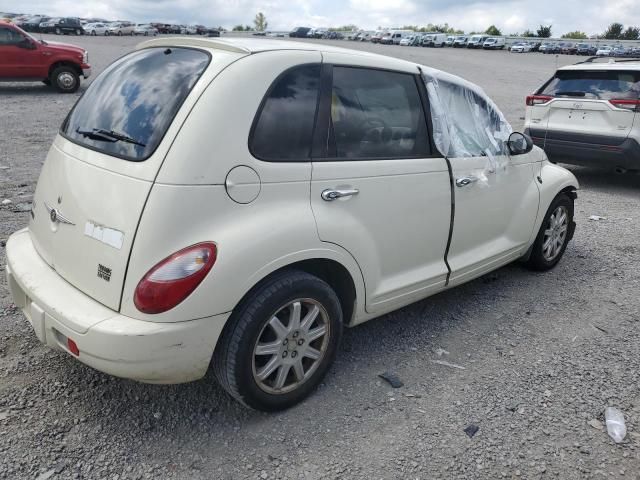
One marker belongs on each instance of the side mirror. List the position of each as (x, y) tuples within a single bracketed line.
[(519, 143), (26, 44)]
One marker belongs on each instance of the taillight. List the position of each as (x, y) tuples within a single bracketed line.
[(632, 105), (174, 278), (538, 100)]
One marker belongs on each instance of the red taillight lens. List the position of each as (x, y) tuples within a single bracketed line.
[(174, 278), (538, 100), (632, 105), (73, 347)]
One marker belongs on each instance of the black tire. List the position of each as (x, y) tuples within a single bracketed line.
[(537, 260), (78, 32), (233, 360), (119, 33), (65, 79), (93, 33), (58, 31)]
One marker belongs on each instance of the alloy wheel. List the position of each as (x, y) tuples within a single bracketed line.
[(291, 346), (555, 233)]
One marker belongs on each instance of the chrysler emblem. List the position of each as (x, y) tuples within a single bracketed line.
[(56, 216)]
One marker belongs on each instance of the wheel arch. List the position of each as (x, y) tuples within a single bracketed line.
[(64, 63)]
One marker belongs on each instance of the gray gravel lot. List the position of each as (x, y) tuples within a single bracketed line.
[(543, 354)]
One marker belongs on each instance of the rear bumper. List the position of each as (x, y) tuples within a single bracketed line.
[(588, 150), (108, 341)]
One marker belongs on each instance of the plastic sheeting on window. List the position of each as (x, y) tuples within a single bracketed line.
[(466, 123)]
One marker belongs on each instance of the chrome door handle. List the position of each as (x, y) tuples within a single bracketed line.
[(330, 195), (464, 181)]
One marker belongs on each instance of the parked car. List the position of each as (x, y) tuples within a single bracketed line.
[(547, 47), (177, 273), (604, 51), (520, 47), (619, 51), (535, 46), (449, 41), (476, 41), (121, 28), (568, 48), (62, 26), (96, 29), (377, 36), (189, 30), (460, 42), (585, 49), (408, 41), (32, 24), (299, 32), (587, 114), (27, 59), (145, 29), (494, 43)]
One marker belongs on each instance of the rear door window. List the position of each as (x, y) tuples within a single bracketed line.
[(283, 128), (127, 110), (598, 84), (376, 114)]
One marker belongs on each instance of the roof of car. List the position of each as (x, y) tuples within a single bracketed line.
[(625, 64)]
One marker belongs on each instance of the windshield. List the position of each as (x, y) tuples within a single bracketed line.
[(127, 110), (602, 85)]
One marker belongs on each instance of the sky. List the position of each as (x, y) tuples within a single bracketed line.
[(511, 16)]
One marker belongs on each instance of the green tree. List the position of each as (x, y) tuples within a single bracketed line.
[(528, 33), (631, 33), (238, 28), (577, 35), (260, 22), (493, 31), (614, 32), (544, 31)]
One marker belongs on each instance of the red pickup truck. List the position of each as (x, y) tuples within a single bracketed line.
[(25, 58)]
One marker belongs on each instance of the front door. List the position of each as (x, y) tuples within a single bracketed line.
[(496, 195), (376, 189)]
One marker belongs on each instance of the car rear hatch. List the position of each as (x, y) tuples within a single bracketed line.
[(101, 167), (586, 103)]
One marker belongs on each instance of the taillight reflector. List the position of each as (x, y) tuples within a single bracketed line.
[(632, 105), (73, 348), (538, 100), (174, 278)]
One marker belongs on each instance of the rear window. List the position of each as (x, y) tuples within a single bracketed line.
[(602, 85), (127, 110)]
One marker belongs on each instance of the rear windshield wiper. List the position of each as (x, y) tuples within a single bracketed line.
[(107, 136), (571, 94)]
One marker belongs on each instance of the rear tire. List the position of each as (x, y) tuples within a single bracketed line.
[(65, 79), (296, 354), (554, 235), (58, 31)]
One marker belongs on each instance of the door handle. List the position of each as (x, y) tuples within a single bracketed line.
[(329, 195), (464, 181)]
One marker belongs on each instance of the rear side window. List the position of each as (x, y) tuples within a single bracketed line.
[(603, 85), (376, 114), (283, 129), (127, 110)]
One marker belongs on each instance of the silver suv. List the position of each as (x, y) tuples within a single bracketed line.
[(587, 114)]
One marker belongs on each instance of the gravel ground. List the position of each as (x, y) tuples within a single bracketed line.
[(538, 356)]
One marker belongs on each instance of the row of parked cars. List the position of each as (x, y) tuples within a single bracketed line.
[(571, 48), (93, 26)]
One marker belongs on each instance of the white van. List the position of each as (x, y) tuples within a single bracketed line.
[(437, 40), (494, 43), (393, 37)]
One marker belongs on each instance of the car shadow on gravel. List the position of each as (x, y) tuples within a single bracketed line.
[(598, 178), (421, 327), (35, 89)]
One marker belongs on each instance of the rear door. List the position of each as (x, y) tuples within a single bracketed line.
[(376, 189), (582, 105), (99, 172)]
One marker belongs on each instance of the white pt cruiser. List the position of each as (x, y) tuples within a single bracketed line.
[(236, 203)]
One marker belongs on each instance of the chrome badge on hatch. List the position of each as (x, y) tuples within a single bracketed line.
[(56, 216)]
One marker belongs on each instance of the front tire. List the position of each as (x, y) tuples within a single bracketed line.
[(280, 341), (58, 31), (65, 79), (554, 235)]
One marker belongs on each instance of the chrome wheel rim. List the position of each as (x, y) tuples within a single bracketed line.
[(291, 346), (555, 233), (66, 80)]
